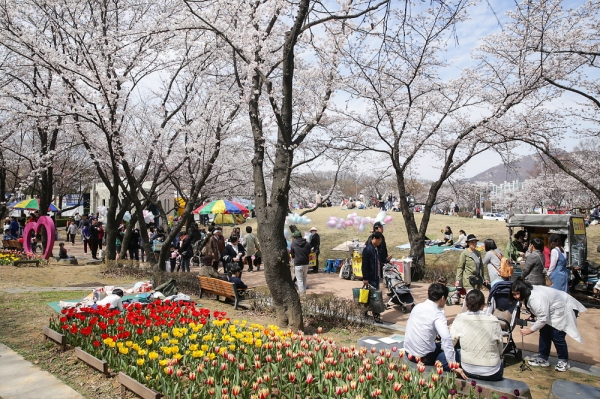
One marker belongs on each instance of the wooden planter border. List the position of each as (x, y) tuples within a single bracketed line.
[(92, 361), (139, 389), (56, 337)]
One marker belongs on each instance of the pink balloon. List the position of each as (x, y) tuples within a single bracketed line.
[(333, 218), (349, 223), (388, 219), (331, 224)]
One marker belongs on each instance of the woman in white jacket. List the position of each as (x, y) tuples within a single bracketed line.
[(480, 339), (556, 316)]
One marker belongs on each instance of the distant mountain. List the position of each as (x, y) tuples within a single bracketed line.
[(520, 169)]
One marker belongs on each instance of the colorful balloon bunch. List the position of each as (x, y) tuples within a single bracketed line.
[(359, 222), (293, 219)]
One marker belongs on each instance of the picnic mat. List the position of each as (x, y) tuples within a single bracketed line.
[(404, 246), (435, 250), (57, 308)]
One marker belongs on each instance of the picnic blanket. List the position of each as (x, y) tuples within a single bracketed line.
[(404, 246)]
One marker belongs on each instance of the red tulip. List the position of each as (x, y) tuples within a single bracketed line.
[(192, 376), (397, 387), (309, 379), (338, 390)]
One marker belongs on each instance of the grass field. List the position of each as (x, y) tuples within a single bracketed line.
[(395, 233)]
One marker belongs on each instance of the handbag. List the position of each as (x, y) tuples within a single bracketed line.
[(476, 279), (547, 280)]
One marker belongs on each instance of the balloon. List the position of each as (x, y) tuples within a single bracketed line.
[(148, 216), (333, 218), (388, 219), (362, 227), (102, 211), (380, 216), (331, 224), (349, 222), (287, 233), (127, 217)]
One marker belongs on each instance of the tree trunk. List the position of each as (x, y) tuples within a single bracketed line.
[(111, 226)]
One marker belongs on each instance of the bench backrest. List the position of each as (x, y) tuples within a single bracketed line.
[(216, 285)]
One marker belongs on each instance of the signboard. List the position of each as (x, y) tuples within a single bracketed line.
[(578, 226)]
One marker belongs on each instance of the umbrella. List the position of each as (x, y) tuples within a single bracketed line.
[(33, 204), (221, 206)]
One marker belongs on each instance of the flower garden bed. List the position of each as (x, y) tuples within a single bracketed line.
[(181, 351), (10, 256)]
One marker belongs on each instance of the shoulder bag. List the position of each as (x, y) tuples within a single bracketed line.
[(506, 269), (547, 279)]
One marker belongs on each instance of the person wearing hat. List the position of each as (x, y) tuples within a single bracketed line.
[(315, 243), (300, 252), (471, 265)]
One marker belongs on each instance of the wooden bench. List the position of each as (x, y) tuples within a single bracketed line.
[(219, 288), (12, 245), (31, 262)]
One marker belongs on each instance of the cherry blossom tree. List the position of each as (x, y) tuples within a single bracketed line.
[(412, 113), (285, 59), (562, 46)]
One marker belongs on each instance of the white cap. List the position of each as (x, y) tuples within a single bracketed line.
[(313, 229)]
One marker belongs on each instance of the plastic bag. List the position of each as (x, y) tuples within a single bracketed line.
[(363, 296)]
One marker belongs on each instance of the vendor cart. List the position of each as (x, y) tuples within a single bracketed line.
[(572, 230)]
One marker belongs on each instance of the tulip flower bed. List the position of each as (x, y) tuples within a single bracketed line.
[(188, 352), (8, 257)]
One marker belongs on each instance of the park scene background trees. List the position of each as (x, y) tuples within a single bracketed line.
[(273, 100)]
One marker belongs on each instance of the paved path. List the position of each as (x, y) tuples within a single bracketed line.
[(19, 379)]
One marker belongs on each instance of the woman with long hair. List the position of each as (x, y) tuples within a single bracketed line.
[(558, 264)]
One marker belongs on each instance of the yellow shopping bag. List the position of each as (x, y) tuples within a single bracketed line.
[(363, 297)]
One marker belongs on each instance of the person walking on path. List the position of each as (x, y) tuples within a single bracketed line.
[(93, 240), (251, 244), (71, 232), (300, 251), (558, 264), (85, 237), (315, 244)]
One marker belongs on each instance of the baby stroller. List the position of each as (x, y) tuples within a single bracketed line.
[(508, 314), (399, 293)]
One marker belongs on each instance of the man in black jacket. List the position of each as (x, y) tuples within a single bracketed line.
[(186, 249), (315, 243), (373, 260), (300, 251), (94, 230), (378, 227)]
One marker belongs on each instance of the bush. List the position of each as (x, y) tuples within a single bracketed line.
[(187, 283), (434, 271)]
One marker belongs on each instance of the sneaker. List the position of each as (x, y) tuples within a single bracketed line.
[(258, 269), (537, 362), (562, 366)]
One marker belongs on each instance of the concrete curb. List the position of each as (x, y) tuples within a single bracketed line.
[(20, 379)]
